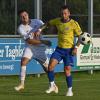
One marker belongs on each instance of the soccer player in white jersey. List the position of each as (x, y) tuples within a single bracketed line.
[(35, 47)]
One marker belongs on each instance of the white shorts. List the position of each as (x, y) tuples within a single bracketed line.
[(35, 52)]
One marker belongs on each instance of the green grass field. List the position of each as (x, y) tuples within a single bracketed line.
[(85, 87)]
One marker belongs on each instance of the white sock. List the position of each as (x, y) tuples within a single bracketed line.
[(52, 83), (70, 89), (23, 74)]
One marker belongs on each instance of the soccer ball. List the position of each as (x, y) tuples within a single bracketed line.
[(85, 38)]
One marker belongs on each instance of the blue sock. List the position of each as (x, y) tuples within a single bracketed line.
[(51, 76), (69, 81)]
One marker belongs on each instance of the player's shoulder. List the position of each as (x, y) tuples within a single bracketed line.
[(56, 19), (21, 26), (74, 22)]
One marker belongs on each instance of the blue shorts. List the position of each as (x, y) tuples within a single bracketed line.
[(63, 54)]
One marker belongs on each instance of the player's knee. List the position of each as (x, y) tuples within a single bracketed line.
[(52, 64), (23, 62), (50, 68), (67, 70)]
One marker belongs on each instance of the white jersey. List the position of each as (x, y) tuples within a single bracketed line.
[(26, 30), (37, 52)]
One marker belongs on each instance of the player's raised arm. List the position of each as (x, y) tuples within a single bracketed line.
[(44, 26), (37, 42), (78, 32)]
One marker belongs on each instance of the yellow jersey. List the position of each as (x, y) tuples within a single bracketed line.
[(66, 32)]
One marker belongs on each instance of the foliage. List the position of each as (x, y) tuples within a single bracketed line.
[(50, 9)]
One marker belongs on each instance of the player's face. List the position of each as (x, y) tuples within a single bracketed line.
[(65, 14), (24, 17)]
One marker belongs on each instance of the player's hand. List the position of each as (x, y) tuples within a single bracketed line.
[(37, 34), (47, 42), (74, 51), (32, 34)]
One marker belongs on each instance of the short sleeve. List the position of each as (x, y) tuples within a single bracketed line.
[(77, 29)]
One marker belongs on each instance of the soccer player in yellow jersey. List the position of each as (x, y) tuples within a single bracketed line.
[(67, 29)]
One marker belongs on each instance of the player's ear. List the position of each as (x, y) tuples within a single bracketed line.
[(69, 13)]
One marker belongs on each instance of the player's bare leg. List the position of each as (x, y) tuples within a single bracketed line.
[(24, 61)]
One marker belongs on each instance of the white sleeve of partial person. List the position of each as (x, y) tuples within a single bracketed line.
[(37, 21), (40, 23)]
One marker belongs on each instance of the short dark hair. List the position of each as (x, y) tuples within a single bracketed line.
[(22, 10), (65, 7)]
